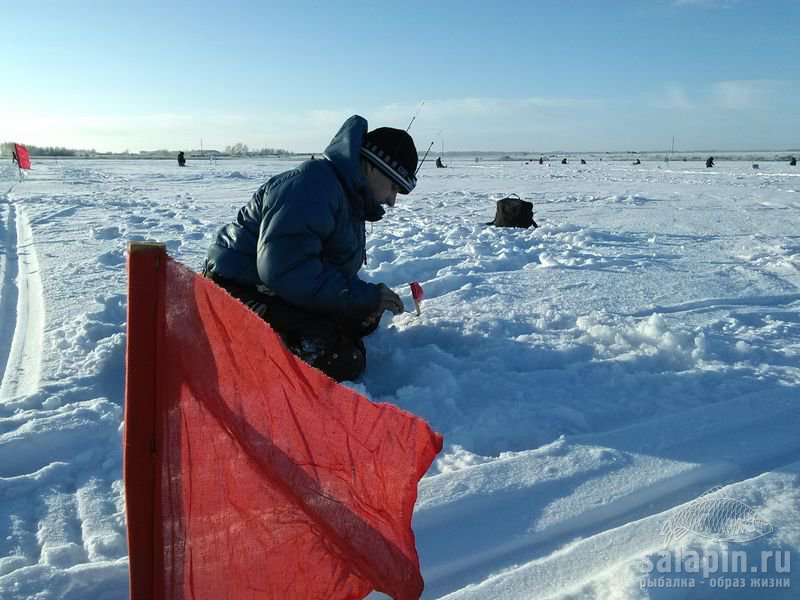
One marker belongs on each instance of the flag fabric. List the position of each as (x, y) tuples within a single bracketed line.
[(23, 156), (248, 473), (417, 295)]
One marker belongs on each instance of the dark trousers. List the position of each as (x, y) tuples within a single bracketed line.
[(332, 345)]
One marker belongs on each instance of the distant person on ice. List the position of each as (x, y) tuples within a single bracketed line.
[(439, 164), (710, 162), (793, 162), (14, 157), (294, 251), (181, 159)]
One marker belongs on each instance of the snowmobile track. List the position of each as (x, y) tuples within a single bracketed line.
[(21, 304), (629, 523)]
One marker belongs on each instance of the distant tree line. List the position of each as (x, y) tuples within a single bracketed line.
[(6, 148), (242, 150), (236, 150)]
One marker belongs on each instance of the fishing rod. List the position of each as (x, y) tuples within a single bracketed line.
[(414, 117), (423, 159)]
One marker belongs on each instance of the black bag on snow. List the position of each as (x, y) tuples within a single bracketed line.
[(512, 211)]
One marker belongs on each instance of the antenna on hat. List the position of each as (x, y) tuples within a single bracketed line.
[(415, 116), (423, 159)]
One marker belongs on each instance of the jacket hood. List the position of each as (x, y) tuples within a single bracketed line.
[(344, 153)]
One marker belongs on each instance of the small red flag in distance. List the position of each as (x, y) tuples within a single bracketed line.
[(23, 158), (416, 294)]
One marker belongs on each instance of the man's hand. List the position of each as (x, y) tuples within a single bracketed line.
[(389, 301)]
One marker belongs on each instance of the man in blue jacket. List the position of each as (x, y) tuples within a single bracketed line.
[(293, 253)]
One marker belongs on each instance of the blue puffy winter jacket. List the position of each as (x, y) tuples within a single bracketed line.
[(302, 235)]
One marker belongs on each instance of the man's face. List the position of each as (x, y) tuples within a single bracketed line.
[(383, 189)]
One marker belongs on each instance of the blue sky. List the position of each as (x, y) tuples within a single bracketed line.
[(516, 76)]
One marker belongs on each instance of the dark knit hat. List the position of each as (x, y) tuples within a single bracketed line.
[(393, 152)]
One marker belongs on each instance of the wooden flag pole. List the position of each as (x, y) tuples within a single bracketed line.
[(146, 279)]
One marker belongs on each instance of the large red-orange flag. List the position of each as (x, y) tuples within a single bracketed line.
[(23, 157), (248, 473)]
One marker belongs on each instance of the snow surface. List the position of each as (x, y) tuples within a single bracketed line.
[(590, 377)]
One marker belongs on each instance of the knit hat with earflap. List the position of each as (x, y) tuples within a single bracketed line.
[(393, 152)]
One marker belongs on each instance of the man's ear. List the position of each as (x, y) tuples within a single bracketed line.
[(366, 167)]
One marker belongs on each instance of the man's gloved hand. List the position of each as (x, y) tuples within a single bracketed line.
[(389, 301)]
